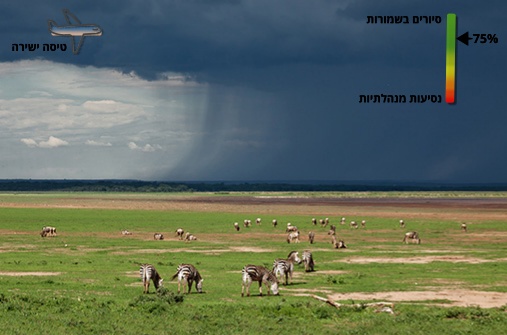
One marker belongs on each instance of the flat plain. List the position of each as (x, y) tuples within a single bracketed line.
[(86, 279)]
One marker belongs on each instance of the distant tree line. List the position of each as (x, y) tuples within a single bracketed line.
[(29, 185)]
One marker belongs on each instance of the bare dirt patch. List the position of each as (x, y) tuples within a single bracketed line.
[(19, 274), (458, 297)]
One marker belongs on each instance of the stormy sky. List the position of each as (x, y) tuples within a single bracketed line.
[(251, 90)]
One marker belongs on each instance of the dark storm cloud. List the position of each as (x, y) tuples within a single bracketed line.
[(285, 79)]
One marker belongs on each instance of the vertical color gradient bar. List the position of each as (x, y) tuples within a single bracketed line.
[(450, 59)]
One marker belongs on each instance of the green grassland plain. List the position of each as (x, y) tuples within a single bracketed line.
[(86, 279)]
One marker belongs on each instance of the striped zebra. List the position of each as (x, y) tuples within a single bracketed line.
[(258, 221), (311, 237), (158, 236), (308, 261), (274, 222), (402, 224), (285, 267), (293, 237), (148, 272), (363, 224), (314, 221), (179, 233), (48, 231), (337, 244), (236, 226), (189, 237), (259, 274), (187, 274), (291, 228), (464, 227), (353, 224), (332, 230)]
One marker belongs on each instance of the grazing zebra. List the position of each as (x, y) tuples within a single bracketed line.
[(126, 232), (187, 273), (236, 226), (285, 267), (322, 223), (291, 228), (259, 274), (363, 224), (412, 237), (402, 224), (338, 244), (190, 237), (332, 230), (314, 221), (311, 237), (247, 223), (258, 221), (353, 224), (308, 261), (464, 227), (293, 237), (275, 223), (326, 221), (342, 221), (148, 272), (179, 233), (48, 231), (158, 236)]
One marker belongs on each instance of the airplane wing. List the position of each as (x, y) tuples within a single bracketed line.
[(68, 15)]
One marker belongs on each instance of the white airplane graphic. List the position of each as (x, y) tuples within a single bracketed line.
[(74, 29)]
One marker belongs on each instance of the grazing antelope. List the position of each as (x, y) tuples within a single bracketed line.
[(363, 224), (179, 233), (311, 237), (158, 236), (189, 237), (402, 224), (148, 272), (258, 221), (293, 237), (308, 261), (187, 274), (353, 224), (285, 267), (236, 226), (48, 231), (464, 227), (275, 223), (412, 237), (259, 274), (314, 221)]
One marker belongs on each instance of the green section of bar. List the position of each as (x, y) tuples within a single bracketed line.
[(451, 36)]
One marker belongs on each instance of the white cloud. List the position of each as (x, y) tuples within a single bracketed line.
[(52, 142), (98, 143), (147, 148)]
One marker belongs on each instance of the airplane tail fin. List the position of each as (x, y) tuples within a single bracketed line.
[(51, 24)]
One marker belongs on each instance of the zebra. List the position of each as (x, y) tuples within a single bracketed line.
[(258, 221), (322, 222), (412, 237), (314, 221), (326, 221), (259, 274), (342, 220), (158, 236), (402, 224), (308, 261), (275, 223), (293, 237), (148, 272), (332, 230), (125, 232), (311, 237), (337, 244), (187, 273), (291, 228), (236, 226), (464, 227), (48, 231), (353, 224), (363, 224), (285, 267), (190, 237), (247, 223), (179, 233)]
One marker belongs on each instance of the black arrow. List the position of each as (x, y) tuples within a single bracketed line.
[(464, 38)]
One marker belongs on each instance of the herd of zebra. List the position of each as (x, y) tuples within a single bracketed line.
[(187, 274)]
